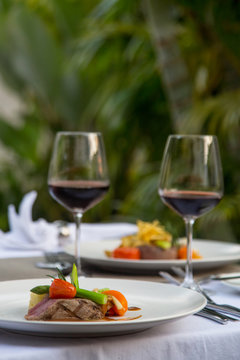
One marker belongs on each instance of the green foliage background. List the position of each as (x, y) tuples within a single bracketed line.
[(98, 65)]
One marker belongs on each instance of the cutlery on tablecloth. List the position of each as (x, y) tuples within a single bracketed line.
[(222, 311), (208, 314), (60, 256), (212, 315), (61, 260), (226, 308), (64, 266), (57, 260), (219, 277), (213, 277)]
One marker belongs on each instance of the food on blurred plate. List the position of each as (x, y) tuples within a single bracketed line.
[(151, 242), (182, 253), (65, 301)]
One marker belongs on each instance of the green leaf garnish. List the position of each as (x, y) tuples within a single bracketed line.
[(60, 275)]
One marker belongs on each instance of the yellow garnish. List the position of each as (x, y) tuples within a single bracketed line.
[(148, 233)]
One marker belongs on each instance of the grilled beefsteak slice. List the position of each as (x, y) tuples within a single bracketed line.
[(66, 310), (156, 253)]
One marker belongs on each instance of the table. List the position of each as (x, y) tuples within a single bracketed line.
[(189, 338)]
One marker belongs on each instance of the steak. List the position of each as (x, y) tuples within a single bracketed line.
[(156, 253), (66, 310)]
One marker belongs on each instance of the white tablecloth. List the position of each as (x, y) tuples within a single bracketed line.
[(191, 338)]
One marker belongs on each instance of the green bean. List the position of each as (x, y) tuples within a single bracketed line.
[(98, 298), (41, 289)]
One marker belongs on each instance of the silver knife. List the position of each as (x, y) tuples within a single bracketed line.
[(223, 276)]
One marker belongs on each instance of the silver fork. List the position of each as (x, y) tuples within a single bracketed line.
[(212, 315), (229, 309), (209, 314)]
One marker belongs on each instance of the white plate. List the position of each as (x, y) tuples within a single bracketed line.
[(234, 283), (159, 303), (214, 253)]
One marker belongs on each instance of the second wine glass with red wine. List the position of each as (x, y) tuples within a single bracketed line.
[(191, 183), (78, 175)]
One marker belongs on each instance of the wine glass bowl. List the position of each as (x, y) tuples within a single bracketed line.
[(191, 182), (78, 175)]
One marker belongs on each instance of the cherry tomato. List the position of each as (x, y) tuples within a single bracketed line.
[(132, 253), (61, 289)]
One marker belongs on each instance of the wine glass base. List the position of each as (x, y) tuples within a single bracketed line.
[(192, 285)]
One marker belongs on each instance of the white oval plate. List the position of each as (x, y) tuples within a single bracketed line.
[(159, 303), (214, 253)]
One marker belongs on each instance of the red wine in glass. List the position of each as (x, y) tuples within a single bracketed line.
[(78, 195), (190, 203), (191, 183), (78, 176)]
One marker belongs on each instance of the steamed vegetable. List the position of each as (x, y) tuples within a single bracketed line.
[(132, 253), (182, 253), (97, 297), (41, 289), (120, 304)]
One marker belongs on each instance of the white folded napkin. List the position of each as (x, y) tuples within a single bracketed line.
[(26, 234), (29, 238)]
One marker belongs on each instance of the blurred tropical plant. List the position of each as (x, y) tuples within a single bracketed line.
[(135, 70), (206, 74), (81, 66)]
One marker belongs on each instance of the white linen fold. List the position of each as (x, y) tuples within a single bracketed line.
[(26, 234), (30, 238)]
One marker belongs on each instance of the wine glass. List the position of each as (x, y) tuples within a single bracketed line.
[(191, 183), (78, 175)]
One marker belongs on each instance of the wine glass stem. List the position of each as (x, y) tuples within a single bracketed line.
[(78, 220), (188, 280)]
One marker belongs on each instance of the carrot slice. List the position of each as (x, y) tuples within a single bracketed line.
[(182, 253), (61, 289), (122, 307), (132, 253)]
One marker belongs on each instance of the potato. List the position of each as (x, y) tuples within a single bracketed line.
[(35, 299)]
